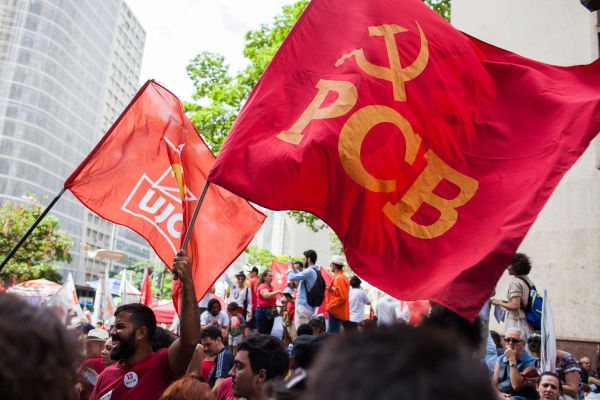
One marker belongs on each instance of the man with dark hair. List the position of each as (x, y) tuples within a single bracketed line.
[(212, 340), (338, 305), (214, 315), (398, 362), (306, 280), (141, 373), (259, 359), (39, 355), (304, 329), (357, 300)]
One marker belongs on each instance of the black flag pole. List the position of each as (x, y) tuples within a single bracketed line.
[(35, 224), (186, 239)]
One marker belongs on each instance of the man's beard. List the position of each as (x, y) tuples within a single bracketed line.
[(125, 348), (306, 264)]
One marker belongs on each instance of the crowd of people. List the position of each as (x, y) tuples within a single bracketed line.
[(226, 355)]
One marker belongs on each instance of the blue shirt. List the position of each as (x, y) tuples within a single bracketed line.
[(307, 278)]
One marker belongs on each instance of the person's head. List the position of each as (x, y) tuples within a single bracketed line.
[(355, 282), (336, 263), (304, 351), (399, 362), (586, 364), (299, 266), (214, 307), (548, 386), (317, 324), (534, 344), (253, 272), (189, 387), (233, 308), (105, 353), (259, 359), (134, 327), (241, 279), (515, 340), (443, 318), (304, 329), (519, 265), (212, 340), (310, 258), (40, 356), (162, 339), (94, 343), (86, 328), (266, 277), (366, 325), (99, 325)]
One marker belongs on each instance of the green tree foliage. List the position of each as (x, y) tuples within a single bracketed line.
[(220, 96), (35, 259)]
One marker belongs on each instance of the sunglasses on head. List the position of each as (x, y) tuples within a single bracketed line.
[(512, 340)]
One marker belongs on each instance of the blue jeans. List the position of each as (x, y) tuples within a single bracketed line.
[(262, 324), (334, 324)]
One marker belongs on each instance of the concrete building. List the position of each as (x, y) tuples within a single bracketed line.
[(564, 242), (67, 69)]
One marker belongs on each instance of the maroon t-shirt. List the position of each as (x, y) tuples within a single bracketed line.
[(147, 379)]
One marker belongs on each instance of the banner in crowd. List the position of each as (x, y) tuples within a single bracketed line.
[(104, 307), (428, 152), (66, 304), (146, 296), (280, 280), (148, 172)]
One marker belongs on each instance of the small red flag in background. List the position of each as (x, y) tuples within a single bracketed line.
[(280, 280), (146, 296), (147, 173), (428, 152)]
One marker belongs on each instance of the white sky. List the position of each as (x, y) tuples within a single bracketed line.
[(177, 30)]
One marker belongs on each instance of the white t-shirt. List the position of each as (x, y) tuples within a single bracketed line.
[(358, 300), (391, 311), (207, 318)]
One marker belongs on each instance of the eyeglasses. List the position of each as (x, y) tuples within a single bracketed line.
[(512, 340)]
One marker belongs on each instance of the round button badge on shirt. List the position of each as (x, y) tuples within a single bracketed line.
[(130, 379)]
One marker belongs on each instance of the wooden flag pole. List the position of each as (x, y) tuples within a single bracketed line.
[(192, 222), (35, 224)]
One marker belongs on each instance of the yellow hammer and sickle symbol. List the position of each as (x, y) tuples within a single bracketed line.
[(177, 172), (395, 73)]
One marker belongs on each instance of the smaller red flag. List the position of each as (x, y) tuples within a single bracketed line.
[(146, 297), (280, 280)]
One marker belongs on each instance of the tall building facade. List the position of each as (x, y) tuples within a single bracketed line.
[(564, 242), (67, 70)]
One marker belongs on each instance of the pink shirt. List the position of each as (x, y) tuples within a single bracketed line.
[(262, 302)]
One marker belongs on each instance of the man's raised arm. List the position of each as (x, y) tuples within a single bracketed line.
[(182, 350)]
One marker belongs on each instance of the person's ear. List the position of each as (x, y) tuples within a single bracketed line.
[(262, 375), (141, 332)]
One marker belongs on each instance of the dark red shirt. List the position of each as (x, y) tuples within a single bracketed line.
[(147, 379)]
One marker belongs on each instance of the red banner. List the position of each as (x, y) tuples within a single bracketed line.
[(148, 172), (280, 280), (428, 152), (146, 296)]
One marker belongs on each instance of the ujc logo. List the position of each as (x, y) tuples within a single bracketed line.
[(159, 203)]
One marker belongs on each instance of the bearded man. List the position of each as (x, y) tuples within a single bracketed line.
[(141, 373)]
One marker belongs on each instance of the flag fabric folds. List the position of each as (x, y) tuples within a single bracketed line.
[(148, 172), (428, 152)]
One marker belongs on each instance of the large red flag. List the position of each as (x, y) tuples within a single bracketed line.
[(148, 172), (146, 296), (428, 152)]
